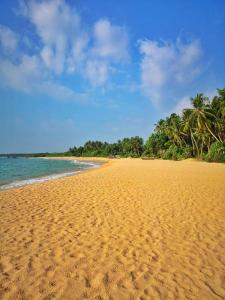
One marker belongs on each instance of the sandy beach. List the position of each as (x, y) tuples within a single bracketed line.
[(131, 229)]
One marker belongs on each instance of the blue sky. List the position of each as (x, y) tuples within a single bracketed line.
[(71, 71)]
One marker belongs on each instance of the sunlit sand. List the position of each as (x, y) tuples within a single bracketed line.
[(132, 229)]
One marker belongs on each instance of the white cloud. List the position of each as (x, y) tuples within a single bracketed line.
[(30, 76), (60, 44), (8, 39), (97, 72), (65, 47), (68, 47), (110, 41), (22, 76), (167, 67), (183, 103), (110, 46), (78, 53), (58, 27)]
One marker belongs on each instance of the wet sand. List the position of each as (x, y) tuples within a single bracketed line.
[(131, 229)]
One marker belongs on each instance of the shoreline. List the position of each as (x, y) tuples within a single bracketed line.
[(97, 162), (134, 230), (93, 164)]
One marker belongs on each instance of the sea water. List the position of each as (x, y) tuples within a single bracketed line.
[(15, 172)]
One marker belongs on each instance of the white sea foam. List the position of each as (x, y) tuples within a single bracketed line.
[(20, 183), (79, 162), (85, 163)]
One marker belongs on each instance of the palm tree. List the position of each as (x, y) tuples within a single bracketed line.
[(174, 129), (189, 127), (218, 108), (160, 126), (200, 119)]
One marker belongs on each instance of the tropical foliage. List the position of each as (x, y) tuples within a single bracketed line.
[(127, 147), (199, 132)]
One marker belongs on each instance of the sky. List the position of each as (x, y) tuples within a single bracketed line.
[(72, 71)]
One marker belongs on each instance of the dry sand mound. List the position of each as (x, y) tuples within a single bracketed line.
[(131, 230)]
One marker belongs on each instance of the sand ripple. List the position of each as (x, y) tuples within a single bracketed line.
[(131, 230)]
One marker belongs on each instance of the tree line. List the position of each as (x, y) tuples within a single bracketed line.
[(126, 147), (199, 132)]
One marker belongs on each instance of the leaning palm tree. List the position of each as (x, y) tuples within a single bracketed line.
[(218, 108), (222, 103), (202, 120), (160, 126), (189, 128), (173, 129)]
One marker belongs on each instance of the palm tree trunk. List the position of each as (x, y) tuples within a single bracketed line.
[(221, 140), (210, 131), (202, 144), (209, 143), (195, 144)]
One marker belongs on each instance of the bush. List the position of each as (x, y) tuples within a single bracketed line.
[(171, 153), (176, 153), (155, 145), (186, 152), (216, 152)]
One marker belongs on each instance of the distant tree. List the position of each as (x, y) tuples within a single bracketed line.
[(156, 143), (137, 146), (199, 132)]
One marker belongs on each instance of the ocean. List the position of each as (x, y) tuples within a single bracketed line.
[(16, 172)]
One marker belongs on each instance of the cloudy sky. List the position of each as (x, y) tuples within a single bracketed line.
[(71, 71)]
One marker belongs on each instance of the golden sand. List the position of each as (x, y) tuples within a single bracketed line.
[(132, 229)]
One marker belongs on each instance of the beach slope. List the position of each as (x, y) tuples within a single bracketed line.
[(132, 229)]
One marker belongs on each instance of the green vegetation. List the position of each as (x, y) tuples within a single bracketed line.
[(199, 132), (216, 152), (132, 147)]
